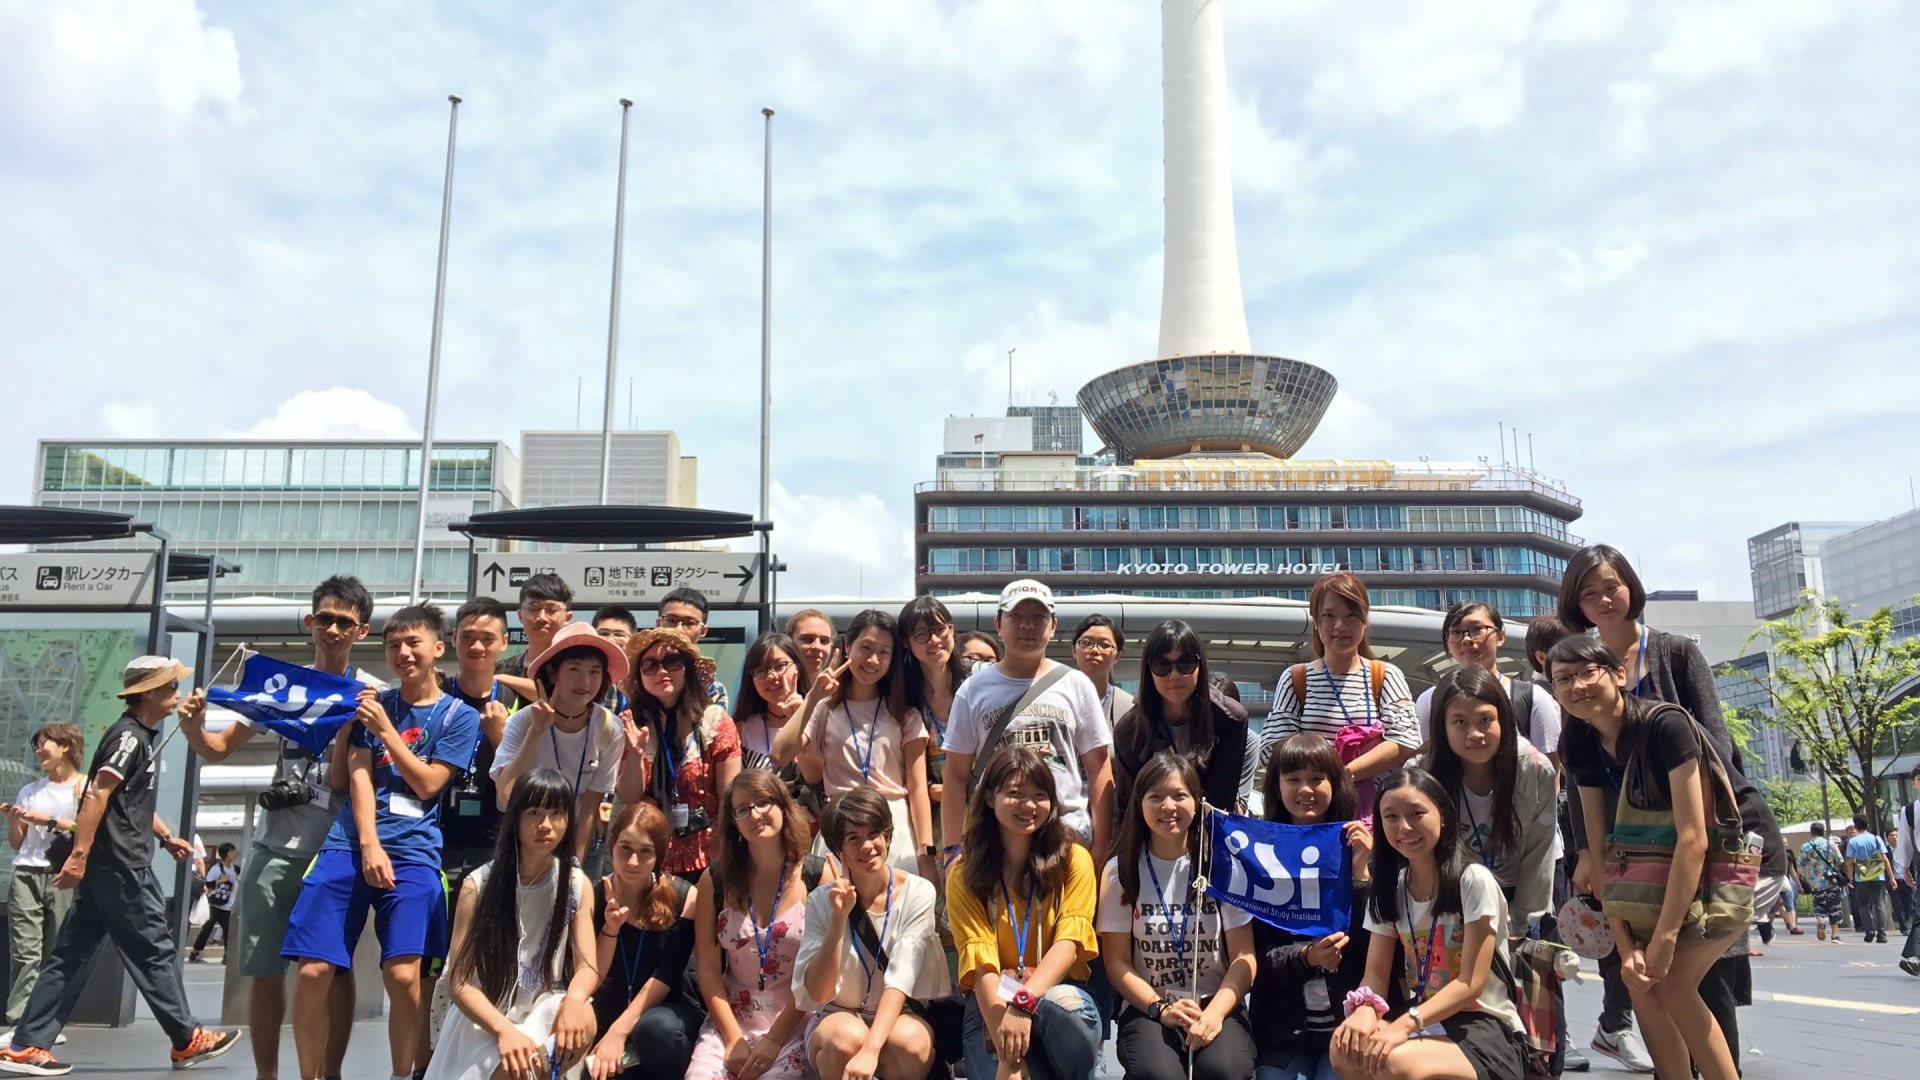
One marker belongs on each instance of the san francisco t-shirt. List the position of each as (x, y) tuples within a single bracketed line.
[(1158, 952)]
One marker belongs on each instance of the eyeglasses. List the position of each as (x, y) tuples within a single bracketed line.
[(1094, 644), (335, 622), (757, 806), (1041, 619), (672, 664), (773, 671), (924, 634), (550, 609), (1468, 633), (679, 622), (1564, 679), (1163, 667)]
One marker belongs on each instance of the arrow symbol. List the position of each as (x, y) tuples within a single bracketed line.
[(745, 575), (493, 574)]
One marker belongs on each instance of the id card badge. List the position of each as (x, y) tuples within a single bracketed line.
[(1177, 993), (322, 795), (1431, 1031), (406, 806), (679, 815), (467, 804), (1009, 986)]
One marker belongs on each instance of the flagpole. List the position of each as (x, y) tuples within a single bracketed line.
[(416, 586), (613, 313), (766, 365)]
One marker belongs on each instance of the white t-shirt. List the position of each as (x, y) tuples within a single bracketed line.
[(1152, 919), (1480, 898), (916, 966), (1338, 701), (1065, 723), (590, 756), (1542, 728), (43, 796), (853, 732)]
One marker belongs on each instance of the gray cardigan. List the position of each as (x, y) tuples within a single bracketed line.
[(1529, 874)]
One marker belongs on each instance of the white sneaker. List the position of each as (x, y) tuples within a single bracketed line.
[(1625, 1048)]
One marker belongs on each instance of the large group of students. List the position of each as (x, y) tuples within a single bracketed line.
[(900, 850)]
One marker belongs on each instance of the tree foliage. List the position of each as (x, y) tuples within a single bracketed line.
[(1843, 687), (1795, 801)]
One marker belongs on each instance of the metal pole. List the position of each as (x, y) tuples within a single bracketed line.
[(766, 370), (613, 314), (414, 587)]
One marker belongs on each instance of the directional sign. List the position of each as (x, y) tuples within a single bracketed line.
[(75, 579), (633, 578)]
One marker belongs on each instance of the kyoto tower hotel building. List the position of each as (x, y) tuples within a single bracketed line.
[(1196, 492)]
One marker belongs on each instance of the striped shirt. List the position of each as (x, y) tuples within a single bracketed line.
[(1325, 712)]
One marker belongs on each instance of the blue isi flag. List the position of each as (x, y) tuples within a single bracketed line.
[(301, 705), (1295, 877)]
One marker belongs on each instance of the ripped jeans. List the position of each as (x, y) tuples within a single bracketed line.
[(1065, 1043)]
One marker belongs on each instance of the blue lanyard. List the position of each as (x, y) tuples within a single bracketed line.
[(673, 772), (1640, 664), (873, 736), (1020, 935), (1423, 965), (473, 759), (632, 963), (763, 942), (860, 954), (1176, 929), (1486, 857), (1340, 699), (586, 741)]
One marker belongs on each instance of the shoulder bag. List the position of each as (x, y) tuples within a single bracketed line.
[(943, 1014), (987, 745)]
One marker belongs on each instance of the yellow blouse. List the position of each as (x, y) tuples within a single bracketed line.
[(985, 939)]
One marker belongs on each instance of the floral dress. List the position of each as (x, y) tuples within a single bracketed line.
[(755, 1009)]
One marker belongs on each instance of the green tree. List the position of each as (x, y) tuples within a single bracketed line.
[(1839, 685), (1794, 801)]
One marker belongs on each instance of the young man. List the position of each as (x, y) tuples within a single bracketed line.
[(383, 851), (295, 815), (220, 879), (617, 625), (546, 605), (567, 730), (1821, 869), (812, 633), (470, 809), (1097, 646), (1869, 868), (685, 610), (116, 895), (1906, 862)]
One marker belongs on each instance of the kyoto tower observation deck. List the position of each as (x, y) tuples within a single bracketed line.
[(1209, 391)]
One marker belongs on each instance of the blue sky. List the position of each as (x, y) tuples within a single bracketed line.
[(1676, 243)]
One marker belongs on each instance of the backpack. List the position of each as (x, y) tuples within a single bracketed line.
[(1376, 669)]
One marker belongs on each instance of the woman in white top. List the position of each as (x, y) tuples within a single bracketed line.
[(524, 964), (34, 906), (860, 1026), (770, 698), (861, 733), (1180, 962)]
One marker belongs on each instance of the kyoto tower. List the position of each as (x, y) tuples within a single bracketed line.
[(1209, 392)]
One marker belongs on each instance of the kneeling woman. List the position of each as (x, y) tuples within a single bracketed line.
[(647, 1023), (1180, 962), (1021, 901), (521, 934), (870, 947), (1451, 918)]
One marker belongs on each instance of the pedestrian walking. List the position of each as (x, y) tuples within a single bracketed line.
[(1906, 863), (1869, 868), (221, 878), (44, 808), (1821, 868)]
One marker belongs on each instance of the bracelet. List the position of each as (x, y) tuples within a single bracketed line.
[(1366, 997)]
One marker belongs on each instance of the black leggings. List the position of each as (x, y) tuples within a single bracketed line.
[(1148, 1049), (215, 917)]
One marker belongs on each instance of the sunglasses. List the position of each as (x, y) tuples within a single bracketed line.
[(1163, 667), (672, 664), (335, 622)]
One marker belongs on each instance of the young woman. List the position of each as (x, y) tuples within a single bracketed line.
[(1474, 634), (862, 733), (933, 669), (1180, 962), (978, 647), (645, 922), (1449, 918), (1640, 764), (1022, 901), (1501, 785), (44, 807), (221, 878), (812, 632), (1346, 689), (1179, 709), (1302, 980), (858, 995), (524, 967), (747, 921), (1096, 649), (682, 752), (776, 686)]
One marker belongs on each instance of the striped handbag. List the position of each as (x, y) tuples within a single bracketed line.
[(1639, 855)]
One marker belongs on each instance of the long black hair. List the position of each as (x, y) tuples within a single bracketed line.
[(748, 701), (1134, 833), (893, 687), (489, 957), (1483, 686), (1387, 863), (934, 614), (1049, 857), (1178, 637)]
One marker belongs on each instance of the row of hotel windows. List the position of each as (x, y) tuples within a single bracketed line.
[(1244, 518), (132, 468), (1510, 603), (1165, 560), (225, 520)]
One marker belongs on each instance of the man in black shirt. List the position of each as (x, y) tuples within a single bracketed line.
[(470, 815), (116, 895)]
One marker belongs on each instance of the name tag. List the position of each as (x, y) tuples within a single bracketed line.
[(1009, 986), (405, 806), (1177, 993), (679, 815), (322, 795), (1431, 1031)]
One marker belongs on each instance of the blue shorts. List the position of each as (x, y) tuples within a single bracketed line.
[(410, 918)]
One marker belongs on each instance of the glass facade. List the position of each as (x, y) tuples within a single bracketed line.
[(67, 467), (1166, 407), (1512, 603), (1127, 560), (1243, 518)]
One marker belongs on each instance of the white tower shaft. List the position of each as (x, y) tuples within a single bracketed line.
[(1201, 310)]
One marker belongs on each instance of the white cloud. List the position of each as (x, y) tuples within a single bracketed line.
[(131, 420), (1440, 67), (1709, 38), (841, 545), (337, 413)]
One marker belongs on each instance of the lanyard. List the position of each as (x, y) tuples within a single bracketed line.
[(873, 736), (673, 771), (763, 942), (886, 920), (473, 760), (1480, 846), (1640, 663), (586, 741), (632, 963), (1020, 935), (1176, 929), (1339, 699), (1423, 965)]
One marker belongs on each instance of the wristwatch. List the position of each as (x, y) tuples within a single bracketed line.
[(1414, 1015), (1024, 1001), (1154, 1010), (930, 851)]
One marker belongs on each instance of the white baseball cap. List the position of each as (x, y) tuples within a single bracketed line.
[(1025, 589)]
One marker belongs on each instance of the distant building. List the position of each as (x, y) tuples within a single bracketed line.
[(562, 468), (1785, 563)]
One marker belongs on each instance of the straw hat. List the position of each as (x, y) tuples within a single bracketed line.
[(146, 673), (582, 635), (640, 642)]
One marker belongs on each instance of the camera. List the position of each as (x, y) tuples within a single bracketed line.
[(285, 794), (696, 822)]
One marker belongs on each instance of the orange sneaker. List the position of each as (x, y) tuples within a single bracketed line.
[(206, 1044), (32, 1061)]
